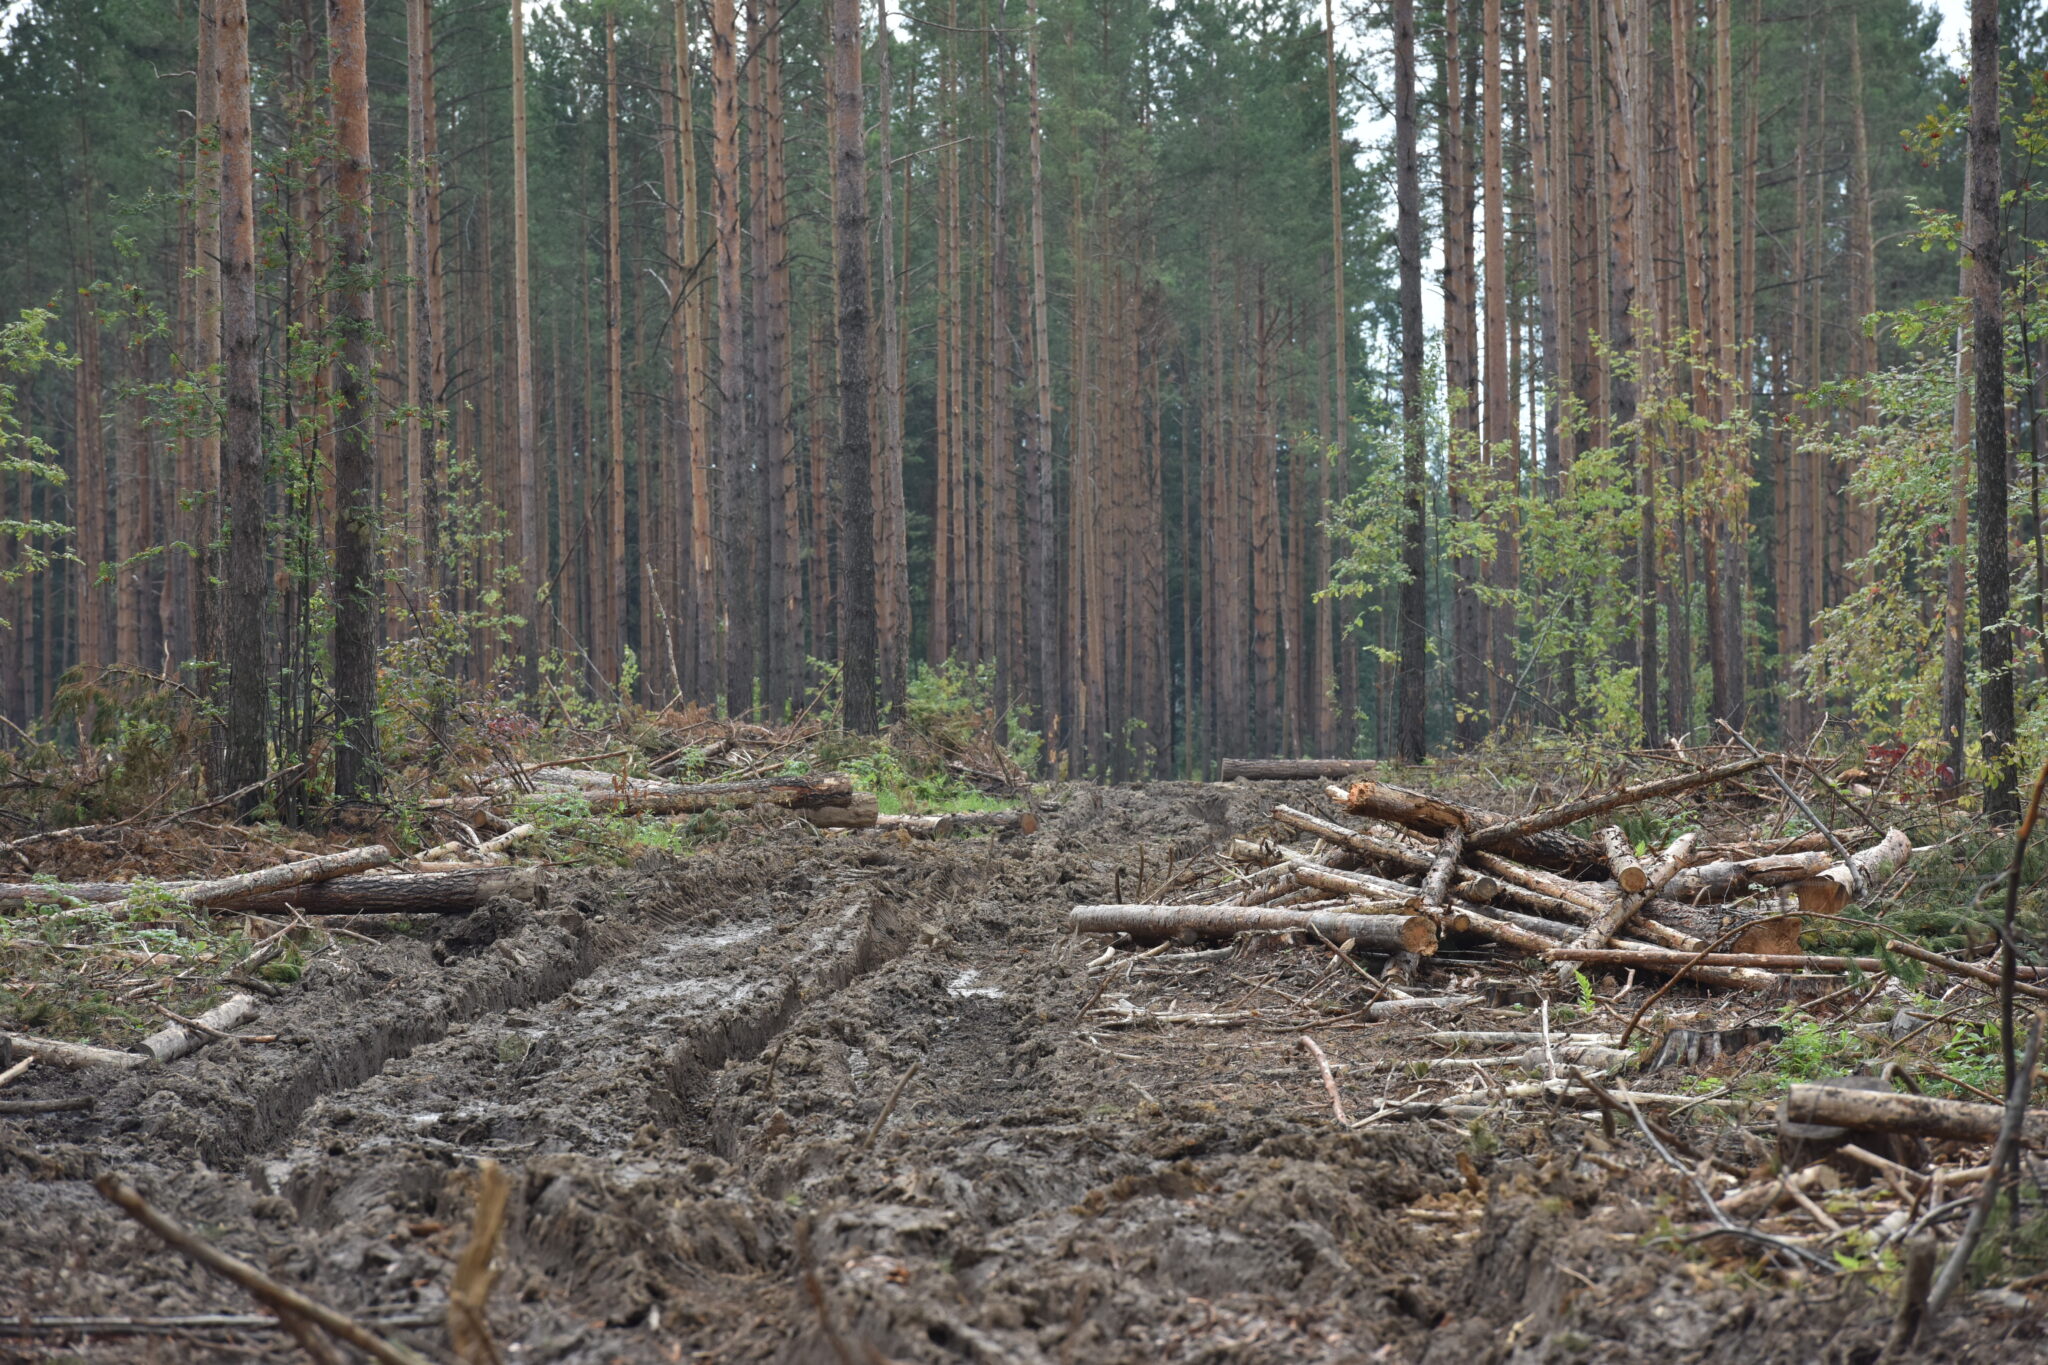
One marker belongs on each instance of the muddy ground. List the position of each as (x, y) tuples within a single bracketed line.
[(685, 1069)]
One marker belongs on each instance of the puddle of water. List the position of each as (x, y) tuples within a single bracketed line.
[(963, 987)]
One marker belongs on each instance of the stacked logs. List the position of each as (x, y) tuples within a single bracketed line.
[(1420, 869)]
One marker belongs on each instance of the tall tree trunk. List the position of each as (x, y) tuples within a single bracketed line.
[(610, 642), (245, 586), (850, 249), (1731, 688), (1501, 459), (356, 766), (892, 573), (1982, 243), (732, 395), (1039, 494), (531, 549), (785, 551), (703, 576), (1332, 697), (1413, 702), (1468, 673)]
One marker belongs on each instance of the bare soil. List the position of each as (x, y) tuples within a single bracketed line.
[(685, 1070)]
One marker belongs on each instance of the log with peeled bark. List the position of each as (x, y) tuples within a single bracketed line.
[(71, 1056), (1375, 933), (1878, 1111), (861, 813), (1832, 891), (1306, 871), (1627, 869), (171, 1043), (962, 822), (417, 893), (1503, 834), (1563, 935), (794, 793), (1294, 769), (1428, 815)]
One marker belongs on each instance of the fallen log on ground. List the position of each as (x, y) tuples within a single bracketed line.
[(1505, 834), (247, 888), (71, 1056), (861, 812), (1374, 933), (45, 1106), (1629, 872), (1725, 878), (1982, 975), (962, 822), (418, 893), (686, 798), (1625, 906), (1669, 960), (1832, 891), (1428, 815), (1881, 1111), (1293, 769), (174, 1042)]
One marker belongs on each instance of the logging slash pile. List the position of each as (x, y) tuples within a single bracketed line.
[(1423, 872)]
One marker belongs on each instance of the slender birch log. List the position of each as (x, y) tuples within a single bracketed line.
[(249, 886), (1375, 933), (72, 1056), (1668, 959), (171, 1043), (1627, 869), (1436, 886)]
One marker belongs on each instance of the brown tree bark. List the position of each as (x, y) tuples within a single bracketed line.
[(1412, 703), (1468, 672), (245, 590), (356, 765), (892, 572), (527, 498), (850, 250), (1982, 245), (732, 393)]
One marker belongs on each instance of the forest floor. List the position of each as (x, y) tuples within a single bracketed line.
[(831, 1097)]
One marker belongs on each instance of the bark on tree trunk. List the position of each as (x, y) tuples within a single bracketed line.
[(850, 247), (356, 763), (244, 757), (1982, 244)]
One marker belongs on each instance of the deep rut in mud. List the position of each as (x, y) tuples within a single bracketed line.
[(685, 1069)]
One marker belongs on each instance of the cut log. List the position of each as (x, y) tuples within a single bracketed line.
[(1832, 891), (861, 813), (70, 1056), (1625, 906), (1726, 878), (1417, 1004), (1294, 769), (1504, 834), (1703, 1047), (1424, 813), (174, 1042), (1983, 975), (1374, 933), (417, 893), (962, 822), (1669, 960), (1880, 1111), (683, 798), (45, 1106), (1756, 928), (1622, 863), (1436, 886)]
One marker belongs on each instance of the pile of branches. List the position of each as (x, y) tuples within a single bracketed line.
[(1419, 871)]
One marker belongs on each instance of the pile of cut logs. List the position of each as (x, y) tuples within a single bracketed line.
[(1421, 870)]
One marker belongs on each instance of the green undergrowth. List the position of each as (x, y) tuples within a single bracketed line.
[(87, 972)]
